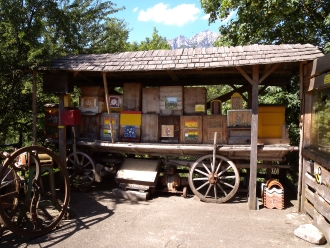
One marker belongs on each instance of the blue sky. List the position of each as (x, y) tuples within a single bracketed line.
[(171, 18)]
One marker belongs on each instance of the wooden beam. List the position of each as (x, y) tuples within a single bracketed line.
[(252, 202), (34, 106), (246, 76), (107, 100), (173, 75), (61, 132), (270, 71)]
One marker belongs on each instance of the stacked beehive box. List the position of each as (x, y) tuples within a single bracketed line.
[(105, 131)]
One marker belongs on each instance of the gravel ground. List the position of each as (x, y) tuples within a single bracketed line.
[(100, 220)]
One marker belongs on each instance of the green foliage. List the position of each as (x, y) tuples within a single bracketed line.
[(272, 21), (33, 32), (157, 42)]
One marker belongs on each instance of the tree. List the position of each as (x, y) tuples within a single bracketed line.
[(272, 21), (33, 32), (157, 42)]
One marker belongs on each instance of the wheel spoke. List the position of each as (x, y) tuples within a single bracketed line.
[(215, 191), (201, 172), (202, 185), (207, 169), (89, 162), (223, 171), (227, 177), (227, 184), (208, 190), (200, 178), (220, 187), (218, 167)]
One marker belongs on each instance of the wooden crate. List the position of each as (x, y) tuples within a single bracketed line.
[(91, 105), (191, 129), (212, 124), (105, 133), (132, 96), (193, 96), (90, 126), (171, 100), (169, 129), (239, 118), (149, 128), (150, 101), (92, 91), (114, 120), (239, 135)]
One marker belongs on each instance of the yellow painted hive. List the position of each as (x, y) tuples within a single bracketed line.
[(271, 118)]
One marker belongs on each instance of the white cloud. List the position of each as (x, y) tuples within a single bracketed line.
[(206, 17), (135, 9), (162, 13)]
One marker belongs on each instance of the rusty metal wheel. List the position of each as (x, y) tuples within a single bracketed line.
[(81, 168), (214, 181), (32, 205)]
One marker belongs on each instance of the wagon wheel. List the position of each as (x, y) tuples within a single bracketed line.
[(35, 207), (216, 181), (81, 168)]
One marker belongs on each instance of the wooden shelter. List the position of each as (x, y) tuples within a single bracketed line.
[(248, 69)]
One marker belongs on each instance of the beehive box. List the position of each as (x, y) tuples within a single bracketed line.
[(149, 128), (239, 118), (239, 135), (216, 107), (212, 124), (105, 132), (116, 103), (236, 101), (191, 129), (150, 101), (194, 100), (51, 120), (90, 126), (171, 100), (91, 105), (114, 120), (71, 117), (169, 129), (130, 125), (132, 96), (271, 118), (92, 91)]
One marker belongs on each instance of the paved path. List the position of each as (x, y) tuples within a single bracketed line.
[(168, 220)]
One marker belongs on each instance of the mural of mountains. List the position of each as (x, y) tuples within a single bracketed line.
[(203, 39)]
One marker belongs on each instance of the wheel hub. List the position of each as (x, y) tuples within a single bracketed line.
[(213, 178)]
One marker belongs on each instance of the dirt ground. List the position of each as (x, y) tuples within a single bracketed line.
[(98, 219)]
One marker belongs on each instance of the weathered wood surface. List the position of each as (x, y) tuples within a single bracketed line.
[(90, 126), (322, 190), (193, 96), (173, 122), (132, 96), (166, 92), (265, 153), (212, 124), (150, 101), (318, 157), (149, 132), (318, 220)]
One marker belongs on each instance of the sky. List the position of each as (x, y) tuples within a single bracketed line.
[(170, 17)]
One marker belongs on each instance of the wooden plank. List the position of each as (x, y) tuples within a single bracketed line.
[(139, 171), (320, 158), (254, 141), (318, 220), (132, 96), (62, 132), (90, 126), (149, 132), (150, 101), (107, 100), (322, 190), (193, 96)]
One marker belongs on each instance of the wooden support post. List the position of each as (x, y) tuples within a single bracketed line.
[(107, 100), (214, 150), (34, 107), (252, 201), (61, 132)]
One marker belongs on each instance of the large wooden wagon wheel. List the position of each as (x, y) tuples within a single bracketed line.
[(214, 178), (81, 168), (31, 205)]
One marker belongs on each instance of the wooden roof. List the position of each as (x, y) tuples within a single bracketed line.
[(181, 66)]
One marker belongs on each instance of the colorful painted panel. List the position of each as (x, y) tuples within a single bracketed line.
[(167, 130), (130, 132), (171, 102), (114, 101), (191, 124), (191, 135)]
